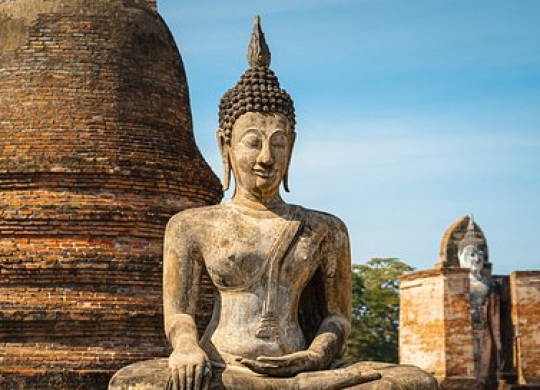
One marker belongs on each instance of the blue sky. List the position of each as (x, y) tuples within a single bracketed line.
[(411, 113)]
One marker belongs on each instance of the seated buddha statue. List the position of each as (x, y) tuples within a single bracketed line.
[(281, 272)]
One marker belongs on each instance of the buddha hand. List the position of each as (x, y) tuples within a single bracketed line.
[(190, 369), (287, 365)]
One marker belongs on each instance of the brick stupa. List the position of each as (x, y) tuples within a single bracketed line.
[(96, 154)]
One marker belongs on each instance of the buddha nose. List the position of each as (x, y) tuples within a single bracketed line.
[(266, 156)]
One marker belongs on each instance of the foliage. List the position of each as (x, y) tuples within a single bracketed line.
[(375, 315)]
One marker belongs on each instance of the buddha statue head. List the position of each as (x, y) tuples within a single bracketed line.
[(256, 126), (470, 251)]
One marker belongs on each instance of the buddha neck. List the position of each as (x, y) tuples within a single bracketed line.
[(475, 276), (264, 208)]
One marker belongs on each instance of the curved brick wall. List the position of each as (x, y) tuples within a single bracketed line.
[(96, 153)]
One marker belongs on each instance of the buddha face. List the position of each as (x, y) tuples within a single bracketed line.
[(260, 150), (472, 257)]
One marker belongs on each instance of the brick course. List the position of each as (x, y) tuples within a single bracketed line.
[(525, 291), (435, 325), (96, 154)]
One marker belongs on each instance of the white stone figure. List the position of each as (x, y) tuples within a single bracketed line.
[(484, 307)]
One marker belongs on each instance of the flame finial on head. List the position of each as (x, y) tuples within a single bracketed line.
[(258, 89), (470, 225), (258, 51)]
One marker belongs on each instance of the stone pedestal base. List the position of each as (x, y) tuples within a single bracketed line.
[(146, 375), (153, 375)]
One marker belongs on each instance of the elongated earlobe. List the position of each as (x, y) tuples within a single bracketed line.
[(224, 147), (286, 175)]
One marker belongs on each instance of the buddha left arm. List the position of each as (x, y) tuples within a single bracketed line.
[(335, 328), (336, 270)]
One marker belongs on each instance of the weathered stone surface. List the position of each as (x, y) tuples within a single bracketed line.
[(96, 154), (281, 273), (525, 290), (154, 374), (453, 236), (502, 313), (455, 336), (435, 322), (485, 307), (145, 375)]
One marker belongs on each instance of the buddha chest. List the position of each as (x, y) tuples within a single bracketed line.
[(240, 256)]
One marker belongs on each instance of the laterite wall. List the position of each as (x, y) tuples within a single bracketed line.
[(96, 154), (525, 290), (435, 326)]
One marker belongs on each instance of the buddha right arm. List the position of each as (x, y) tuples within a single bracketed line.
[(181, 280), (181, 332), (182, 268)]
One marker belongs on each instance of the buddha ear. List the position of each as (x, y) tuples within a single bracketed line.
[(286, 176), (224, 149)]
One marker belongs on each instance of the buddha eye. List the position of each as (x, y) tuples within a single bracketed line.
[(279, 141), (252, 141)]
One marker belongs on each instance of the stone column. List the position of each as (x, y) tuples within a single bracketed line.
[(435, 325)]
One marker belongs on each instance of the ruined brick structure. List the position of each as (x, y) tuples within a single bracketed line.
[(525, 314), (96, 153), (436, 327)]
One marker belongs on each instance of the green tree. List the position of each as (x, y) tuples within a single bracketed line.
[(375, 315)]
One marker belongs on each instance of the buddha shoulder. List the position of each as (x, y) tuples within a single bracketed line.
[(196, 220), (317, 220)]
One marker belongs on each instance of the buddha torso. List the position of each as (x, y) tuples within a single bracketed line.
[(236, 259), (480, 291)]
